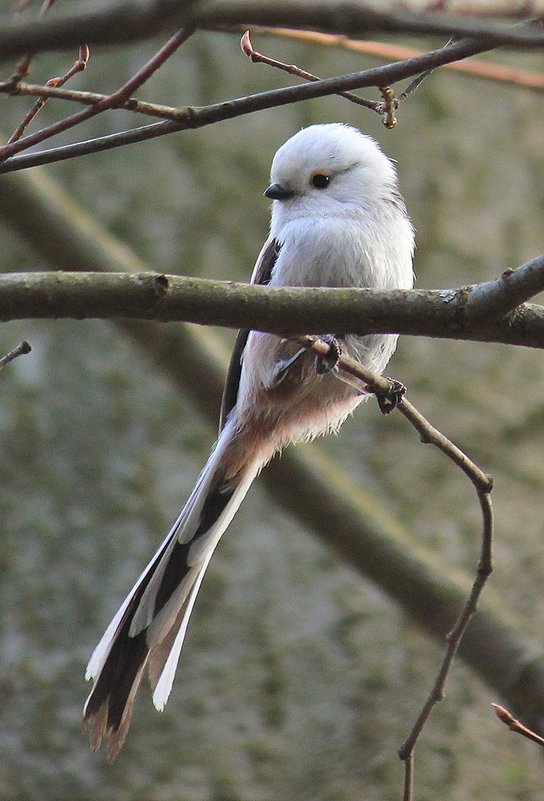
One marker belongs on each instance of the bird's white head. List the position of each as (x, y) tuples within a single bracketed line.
[(330, 169)]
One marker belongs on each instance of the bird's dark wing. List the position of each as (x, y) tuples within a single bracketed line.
[(261, 275)]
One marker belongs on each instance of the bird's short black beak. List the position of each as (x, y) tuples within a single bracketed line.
[(278, 192)]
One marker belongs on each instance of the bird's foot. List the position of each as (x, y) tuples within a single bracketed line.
[(324, 364), (392, 399)]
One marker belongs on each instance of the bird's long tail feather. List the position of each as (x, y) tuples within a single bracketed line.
[(149, 628)]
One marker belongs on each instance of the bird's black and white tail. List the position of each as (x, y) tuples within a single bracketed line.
[(148, 630)]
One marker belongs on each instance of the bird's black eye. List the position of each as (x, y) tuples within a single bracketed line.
[(320, 180)]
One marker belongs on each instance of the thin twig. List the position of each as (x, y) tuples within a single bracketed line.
[(408, 789), (89, 98), (385, 108), (292, 69), (516, 726), (22, 348), (23, 67), (418, 80), (120, 96), (78, 66), (483, 485)]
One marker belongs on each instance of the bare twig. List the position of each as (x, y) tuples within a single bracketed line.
[(120, 96), (516, 726), (292, 69), (418, 80), (483, 485), (23, 67), (89, 98), (78, 66), (22, 348)]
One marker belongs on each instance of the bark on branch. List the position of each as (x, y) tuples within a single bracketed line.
[(478, 312)]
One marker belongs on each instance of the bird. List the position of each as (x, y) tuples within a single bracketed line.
[(337, 220)]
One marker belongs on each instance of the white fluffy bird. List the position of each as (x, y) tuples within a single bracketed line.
[(337, 220)]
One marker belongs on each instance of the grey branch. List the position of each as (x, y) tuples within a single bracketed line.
[(486, 312), (117, 22)]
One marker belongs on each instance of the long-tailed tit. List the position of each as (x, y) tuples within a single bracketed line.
[(337, 220)]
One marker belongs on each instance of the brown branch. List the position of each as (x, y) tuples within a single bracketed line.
[(89, 98), (23, 67), (505, 293), (483, 484), (516, 726), (118, 97)]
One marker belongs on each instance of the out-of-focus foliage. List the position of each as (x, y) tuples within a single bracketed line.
[(299, 679)]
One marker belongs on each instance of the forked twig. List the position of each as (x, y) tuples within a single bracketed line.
[(393, 394), (386, 107), (292, 69), (22, 348), (22, 68), (78, 66), (111, 101)]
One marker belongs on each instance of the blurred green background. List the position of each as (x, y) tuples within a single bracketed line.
[(299, 678)]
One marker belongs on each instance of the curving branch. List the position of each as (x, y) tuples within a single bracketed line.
[(387, 390), (479, 312)]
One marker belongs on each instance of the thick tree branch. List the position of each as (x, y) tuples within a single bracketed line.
[(94, 23), (118, 22), (474, 312)]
